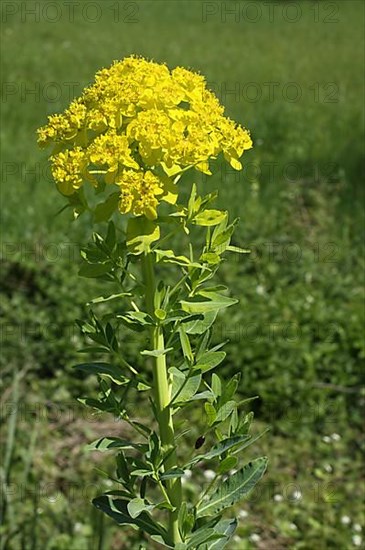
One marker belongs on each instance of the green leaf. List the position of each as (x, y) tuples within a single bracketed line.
[(207, 394), (102, 299), (234, 488), (111, 371), (107, 443), (156, 352), (186, 519), (142, 473), (136, 320), (137, 505), (227, 464), (122, 470), (95, 270), (231, 387), (212, 294), (96, 404), (104, 210), (216, 385), (192, 200), (141, 233), (168, 256), (226, 528), (210, 412), (110, 239), (222, 235), (214, 303), (160, 541), (201, 325), (173, 473), (160, 314), (209, 217), (210, 360), (238, 250), (185, 345), (225, 411), (210, 258), (118, 510), (249, 441), (201, 536), (218, 449), (183, 388)]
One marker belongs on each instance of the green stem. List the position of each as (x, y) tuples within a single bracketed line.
[(162, 396)]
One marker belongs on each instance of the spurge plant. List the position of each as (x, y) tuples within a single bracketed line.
[(132, 135)]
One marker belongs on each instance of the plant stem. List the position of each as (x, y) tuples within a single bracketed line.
[(162, 396)]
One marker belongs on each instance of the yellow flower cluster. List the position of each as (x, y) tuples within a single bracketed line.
[(138, 126), (111, 150), (138, 193), (68, 169)]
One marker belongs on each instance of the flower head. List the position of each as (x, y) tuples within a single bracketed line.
[(138, 193), (137, 123), (67, 170)]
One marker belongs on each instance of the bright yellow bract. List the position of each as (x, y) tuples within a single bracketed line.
[(139, 126)]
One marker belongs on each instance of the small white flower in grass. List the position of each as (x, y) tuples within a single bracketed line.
[(293, 526), (78, 527), (335, 437), (357, 527), (345, 520), (236, 538), (326, 439), (232, 472), (255, 537), (108, 482), (260, 290), (209, 475), (328, 468), (278, 498), (308, 277), (242, 514), (357, 540), (297, 495)]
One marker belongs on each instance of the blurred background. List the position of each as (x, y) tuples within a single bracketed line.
[(291, 72)]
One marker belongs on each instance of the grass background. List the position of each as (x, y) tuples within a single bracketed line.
[(297, 334)]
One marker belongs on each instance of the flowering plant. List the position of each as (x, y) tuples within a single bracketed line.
[(132, 135)]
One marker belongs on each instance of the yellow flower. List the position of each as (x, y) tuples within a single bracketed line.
[(138, 193), (67, 170), (111, 150), (136, 120), (234, 141), (76, 114)]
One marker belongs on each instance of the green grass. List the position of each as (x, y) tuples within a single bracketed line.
[(302, 187)]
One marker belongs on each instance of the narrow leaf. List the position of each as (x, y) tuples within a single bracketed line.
[(117, 510), (210, 360), (106, 369), (218, 449), (234, 488)]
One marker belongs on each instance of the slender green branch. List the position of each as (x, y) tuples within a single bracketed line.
[(178, 284), (163, 490)]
